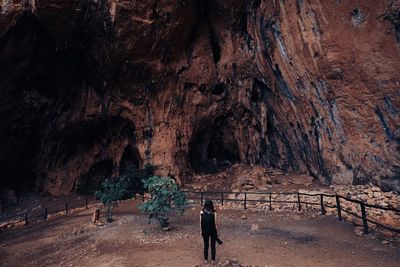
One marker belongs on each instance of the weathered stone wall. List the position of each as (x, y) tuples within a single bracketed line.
[(305, 86)]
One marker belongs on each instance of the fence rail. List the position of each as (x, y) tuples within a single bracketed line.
[(220, 196), (44, 213), (66, 207)]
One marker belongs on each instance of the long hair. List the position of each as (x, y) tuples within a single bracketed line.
[(209, 206)]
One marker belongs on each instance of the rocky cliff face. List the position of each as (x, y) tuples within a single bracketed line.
[(88, 87)]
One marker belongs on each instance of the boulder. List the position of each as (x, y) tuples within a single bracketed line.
[(390, 184), (254, 228)]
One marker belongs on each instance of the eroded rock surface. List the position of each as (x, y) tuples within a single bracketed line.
[(195, 86)]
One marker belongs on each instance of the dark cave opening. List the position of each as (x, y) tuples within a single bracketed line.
[(91, 138), (34, 76), (130, 159), (218, 89), (216, 49), (81, 136), (18, 156), (20, 179), (213, 148), (97, 173), (30, 60), (256, 92), (205, 13)]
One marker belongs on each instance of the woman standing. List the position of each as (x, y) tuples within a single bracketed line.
[(208, 227)]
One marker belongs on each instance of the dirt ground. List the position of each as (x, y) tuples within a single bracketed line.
[(263, 239)]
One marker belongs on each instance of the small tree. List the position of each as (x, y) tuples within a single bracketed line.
[(165, 197), (136, 177), (110, 192)]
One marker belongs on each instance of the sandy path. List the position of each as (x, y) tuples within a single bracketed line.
[(282, 239)]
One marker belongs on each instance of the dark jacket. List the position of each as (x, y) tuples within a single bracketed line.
[(208, 223)]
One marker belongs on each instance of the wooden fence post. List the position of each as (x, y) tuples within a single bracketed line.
[(26, 218), (245, 201), (298, 201), (222, 198), (66, 207), (339, 211), (86, 203), (270, 201), (364, 218), (45, 214), (323, 211)]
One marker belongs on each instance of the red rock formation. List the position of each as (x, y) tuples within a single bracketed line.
[(196, 85)]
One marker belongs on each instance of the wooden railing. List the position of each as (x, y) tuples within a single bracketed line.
[(43, 214), (221, 197)]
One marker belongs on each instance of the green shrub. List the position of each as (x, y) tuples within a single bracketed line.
[(165, 196), (136, 176), (110, 192)]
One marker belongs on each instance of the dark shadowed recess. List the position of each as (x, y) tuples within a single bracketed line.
[(79, 137), (30, 71), (97, 173), (41, 78), (213, 146), (130, 158), (94, 137), (103, 169)]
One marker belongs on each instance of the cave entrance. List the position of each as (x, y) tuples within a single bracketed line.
[(19, 179), (97, 173), (213, 148), (129, 159), (130, 168)]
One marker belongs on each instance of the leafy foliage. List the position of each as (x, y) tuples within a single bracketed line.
[(165, 197), (136, 176), (111, 191)]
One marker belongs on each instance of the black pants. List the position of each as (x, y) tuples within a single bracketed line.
[(206, 239)]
